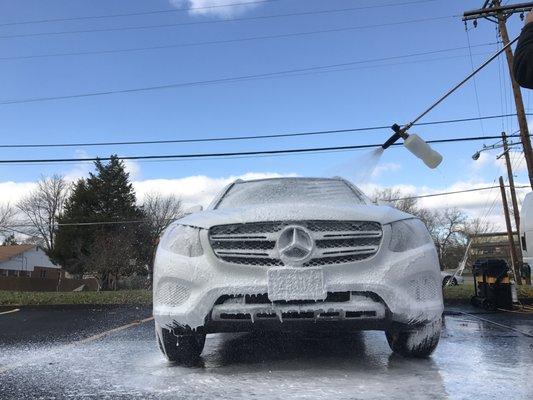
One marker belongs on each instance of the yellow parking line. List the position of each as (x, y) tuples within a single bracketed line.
[(102, 334), (10, 311), (82, 341)]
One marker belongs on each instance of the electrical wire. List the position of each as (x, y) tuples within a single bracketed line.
[(242, 153), (189, 9), (453, 192), (159, 26), (276, 74), (151, 12), (474, 80), (238, 138), (203, 43)]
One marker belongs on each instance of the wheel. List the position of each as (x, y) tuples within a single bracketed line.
[(415, 341), (449, 281), (185, 348)]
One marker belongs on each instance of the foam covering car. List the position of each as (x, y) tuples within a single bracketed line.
[(296, 254)]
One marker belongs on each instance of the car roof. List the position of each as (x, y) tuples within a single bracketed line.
[(290, 177)]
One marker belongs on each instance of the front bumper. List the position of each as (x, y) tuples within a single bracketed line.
[(387, 288)]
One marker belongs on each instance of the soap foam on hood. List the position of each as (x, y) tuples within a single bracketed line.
[(284, 212)]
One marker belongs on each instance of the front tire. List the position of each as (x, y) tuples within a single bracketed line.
[(415, 341), (183, 349)]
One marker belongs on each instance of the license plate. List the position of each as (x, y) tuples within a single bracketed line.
[(296, 284)]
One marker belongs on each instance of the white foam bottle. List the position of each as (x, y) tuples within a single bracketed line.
[(416, 145)]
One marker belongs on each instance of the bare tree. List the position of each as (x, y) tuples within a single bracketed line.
[(160, 211), (42, 207), (7, 214), (395, 198), (448, 227)]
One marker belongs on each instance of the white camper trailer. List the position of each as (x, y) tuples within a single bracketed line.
[(526, 229)]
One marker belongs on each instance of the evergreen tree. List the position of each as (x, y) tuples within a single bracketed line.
[(10, 240), (102, 203)]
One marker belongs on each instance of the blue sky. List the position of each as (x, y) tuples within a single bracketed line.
[(377, 94)]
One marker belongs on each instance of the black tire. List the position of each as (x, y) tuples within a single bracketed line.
[(415, 341), (183, 349)]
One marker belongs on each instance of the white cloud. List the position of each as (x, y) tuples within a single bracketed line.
[(212, 7), (79, 170), (385, 167), (11, 192), (133, 168)]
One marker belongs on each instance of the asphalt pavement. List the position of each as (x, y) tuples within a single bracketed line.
[(110, 353)]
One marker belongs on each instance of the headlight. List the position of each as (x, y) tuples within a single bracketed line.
[(183, 240), (408, 234)]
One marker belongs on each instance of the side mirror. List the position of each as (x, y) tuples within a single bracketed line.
[(193, 209)]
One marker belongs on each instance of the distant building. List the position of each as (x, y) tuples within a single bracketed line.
[(27, 260)]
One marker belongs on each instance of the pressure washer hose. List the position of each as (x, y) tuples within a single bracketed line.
[(527, 334)]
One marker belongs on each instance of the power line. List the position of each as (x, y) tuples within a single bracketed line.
[(248, 137), (179, 10), (203, 43), (453, 192), (350, 68), (140, 221), (163, 11), (282, 73), (232, 154), (141, 27), (474, 80)]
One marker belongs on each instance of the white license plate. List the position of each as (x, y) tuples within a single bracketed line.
[(296, 284)]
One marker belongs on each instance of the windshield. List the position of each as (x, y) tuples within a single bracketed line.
[(290, 191)]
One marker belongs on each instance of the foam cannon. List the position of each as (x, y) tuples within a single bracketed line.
[(416, 145)]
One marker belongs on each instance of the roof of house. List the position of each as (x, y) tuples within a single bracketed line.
[(6, 252)]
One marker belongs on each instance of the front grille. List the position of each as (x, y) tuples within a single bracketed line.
[(336, 242)]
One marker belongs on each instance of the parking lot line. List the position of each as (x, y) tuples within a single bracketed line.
[(10, 311), (105, 333), (82, 341)]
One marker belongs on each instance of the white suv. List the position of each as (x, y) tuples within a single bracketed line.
[(296, 254)]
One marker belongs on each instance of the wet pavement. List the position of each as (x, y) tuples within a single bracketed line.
[(474, 360)]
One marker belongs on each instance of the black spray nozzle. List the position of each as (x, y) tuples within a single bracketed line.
[(398, 133)]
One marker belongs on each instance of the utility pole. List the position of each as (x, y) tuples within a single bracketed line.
[(514, 199), (510, 235), (495, 9), (512, 188)]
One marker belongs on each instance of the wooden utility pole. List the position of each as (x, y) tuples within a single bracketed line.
[(501, 13), (514, 200), (512, 188), (510, 235)]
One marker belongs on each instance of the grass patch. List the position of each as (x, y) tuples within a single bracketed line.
[(466, 291), (13, 298)]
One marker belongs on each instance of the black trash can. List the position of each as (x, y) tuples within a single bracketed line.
[(492, 285)]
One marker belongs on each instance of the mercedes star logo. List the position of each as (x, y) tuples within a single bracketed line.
[(295, 245)]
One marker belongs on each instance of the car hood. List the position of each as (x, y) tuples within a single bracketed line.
[(283, 212)]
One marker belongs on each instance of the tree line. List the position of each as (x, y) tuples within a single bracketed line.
[(93, 226)]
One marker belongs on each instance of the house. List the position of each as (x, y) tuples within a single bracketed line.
[(27, 260)]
